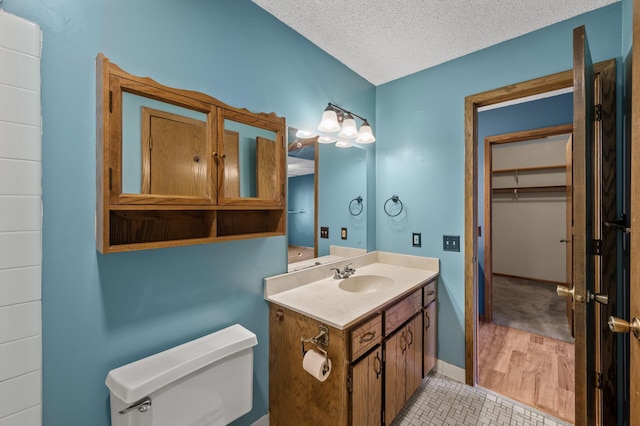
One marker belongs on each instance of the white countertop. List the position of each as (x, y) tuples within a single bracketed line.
[(315, 293)]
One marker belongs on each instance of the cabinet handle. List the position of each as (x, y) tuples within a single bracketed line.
[(214, 154), (410, 333), (431, 292), (428, 321), (377, 365), (403, 342), (367, 337)]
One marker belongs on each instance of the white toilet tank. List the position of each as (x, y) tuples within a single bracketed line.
[(208, 381)]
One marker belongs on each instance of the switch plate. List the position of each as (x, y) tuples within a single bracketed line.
[(324, 232), (451, 242), (417, 239), (343, 233)]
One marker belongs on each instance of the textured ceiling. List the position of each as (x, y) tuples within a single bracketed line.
[(383, 40)]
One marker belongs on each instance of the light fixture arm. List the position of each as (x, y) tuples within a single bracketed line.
[(344, 111)]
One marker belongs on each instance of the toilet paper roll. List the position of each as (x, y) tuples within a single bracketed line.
[(316, 365)]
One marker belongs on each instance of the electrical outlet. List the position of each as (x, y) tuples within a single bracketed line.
[(417, 239), (451, 242), (343, 233), (324, 232)]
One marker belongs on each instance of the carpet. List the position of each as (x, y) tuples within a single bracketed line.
[(530, 306)]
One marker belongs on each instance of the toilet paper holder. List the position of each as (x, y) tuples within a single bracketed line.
[(322, 339)]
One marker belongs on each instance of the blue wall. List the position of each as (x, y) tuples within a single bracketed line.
[(301, 210), (342, 175), (546, 112), (100, 312), (420, 148)]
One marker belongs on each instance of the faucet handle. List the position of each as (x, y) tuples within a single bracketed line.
[(336, 273), (349, 268)]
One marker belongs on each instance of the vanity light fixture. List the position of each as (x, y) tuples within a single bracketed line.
[(305, 134), (335, 118)]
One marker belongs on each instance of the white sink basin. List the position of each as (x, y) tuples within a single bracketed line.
[(365, 283)]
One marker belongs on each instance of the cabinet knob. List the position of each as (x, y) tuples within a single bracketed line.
[(403, 342), (367, 337), (409, 334), (377, 365)]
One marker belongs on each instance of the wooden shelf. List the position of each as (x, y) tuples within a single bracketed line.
[(530, 189), (531, 169)]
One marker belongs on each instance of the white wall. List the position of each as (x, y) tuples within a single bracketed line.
[(527, 229), (20, 223)]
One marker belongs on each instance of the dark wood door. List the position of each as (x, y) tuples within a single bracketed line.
[(583, 268), (569, 232)]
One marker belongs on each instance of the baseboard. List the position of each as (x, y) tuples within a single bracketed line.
[(262, 421), (539, 280), (451, 371)]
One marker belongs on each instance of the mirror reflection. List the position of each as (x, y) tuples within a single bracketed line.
[(245, 175), (324, 185), (164, 148)]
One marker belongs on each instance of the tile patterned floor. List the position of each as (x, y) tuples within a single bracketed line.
[(443, 401)]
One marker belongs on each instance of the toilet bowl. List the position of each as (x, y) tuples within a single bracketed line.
[(208, 381)]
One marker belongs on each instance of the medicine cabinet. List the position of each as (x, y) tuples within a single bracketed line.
[(178, 167)]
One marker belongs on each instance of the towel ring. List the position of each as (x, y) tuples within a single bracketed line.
[(358, 199), (395, 199)]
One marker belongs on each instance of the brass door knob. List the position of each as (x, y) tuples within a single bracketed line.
[(563, 291), (618, 325)]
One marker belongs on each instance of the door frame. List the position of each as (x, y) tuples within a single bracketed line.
[(536, 86), (489, 142)]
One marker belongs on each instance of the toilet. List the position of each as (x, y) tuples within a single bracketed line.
[(204, 382)]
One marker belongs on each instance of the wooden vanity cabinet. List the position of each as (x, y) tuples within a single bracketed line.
[(403, 356), (366, 391), (170, 170), (430, 322), (376, 366)]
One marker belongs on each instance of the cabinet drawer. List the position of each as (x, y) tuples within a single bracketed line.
[(430, 292), (402, 311), (366, 336)]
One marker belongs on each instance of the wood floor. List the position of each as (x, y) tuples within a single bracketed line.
[(535, 370), (299, 253)]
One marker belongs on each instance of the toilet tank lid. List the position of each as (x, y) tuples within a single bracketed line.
[(138, 379)]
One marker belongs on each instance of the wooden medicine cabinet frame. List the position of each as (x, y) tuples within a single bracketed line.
[(127, 221)]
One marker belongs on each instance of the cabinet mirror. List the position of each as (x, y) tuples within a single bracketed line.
[(324, 186), (249, 157), (165, 148)]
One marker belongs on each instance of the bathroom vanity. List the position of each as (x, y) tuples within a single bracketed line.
[(380, 332)]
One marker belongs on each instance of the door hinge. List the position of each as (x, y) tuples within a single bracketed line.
[(110, 178), (384, 355), (598, 382), (110, 101), (598, 112), (597, 247), (349, 384), (150, 143)]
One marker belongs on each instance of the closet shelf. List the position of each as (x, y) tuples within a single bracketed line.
[(529, 189), (531, 169)]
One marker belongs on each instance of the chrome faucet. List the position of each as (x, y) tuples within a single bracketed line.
[(346, 273)]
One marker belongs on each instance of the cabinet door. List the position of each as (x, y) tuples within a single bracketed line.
[(394, 374), (366, 397), (430, 337), (413, 372)]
